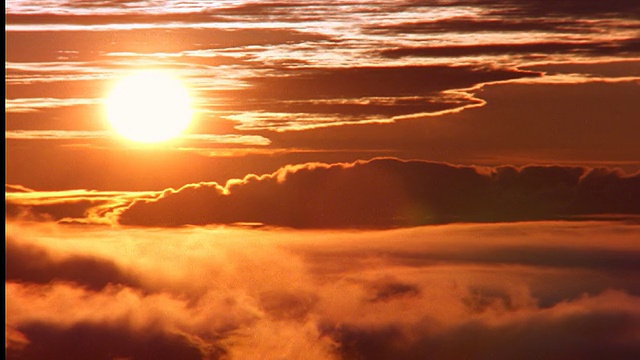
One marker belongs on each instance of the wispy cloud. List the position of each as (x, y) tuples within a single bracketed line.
[(35, 104), (281, 58), (54, 134), (78, 206), (191, 138)]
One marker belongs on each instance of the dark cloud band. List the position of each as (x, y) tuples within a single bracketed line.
[(393, 193)]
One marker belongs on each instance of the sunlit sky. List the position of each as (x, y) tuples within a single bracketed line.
[(278, 83), (359, 120)]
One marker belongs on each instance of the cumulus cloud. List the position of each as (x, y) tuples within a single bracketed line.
[(447, 292), (391, 193)]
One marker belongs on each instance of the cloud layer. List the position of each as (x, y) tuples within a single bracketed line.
[(303, 65), (392, 193), (527, 290)]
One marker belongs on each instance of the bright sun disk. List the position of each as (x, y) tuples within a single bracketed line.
[(149, 106)]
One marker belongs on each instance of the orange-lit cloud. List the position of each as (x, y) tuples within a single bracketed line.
[(392, 193), (183, 140), (70, 205), (380, 193), (541, 289)]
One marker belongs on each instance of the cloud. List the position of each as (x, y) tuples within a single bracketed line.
[(522, 49), (391, 289), (185, 139), (622, 8), (71, 205), (447, 292), (73, 209), (54, 134), (16, 188), (96, 45), (319, 97), (391, 193), (577, 122), (358, 82), (471, 24), (565, 332), (98, 341), (296, 67), (32, 105), (610, 69), (27, 263)]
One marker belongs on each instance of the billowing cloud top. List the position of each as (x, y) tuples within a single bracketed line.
[(390, 193)]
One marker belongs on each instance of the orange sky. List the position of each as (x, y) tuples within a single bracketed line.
[(273, 85), (356, 138)]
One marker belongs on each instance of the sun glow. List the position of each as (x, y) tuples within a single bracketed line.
[(149, 107)]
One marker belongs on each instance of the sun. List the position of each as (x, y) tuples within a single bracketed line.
[(149, 106)]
